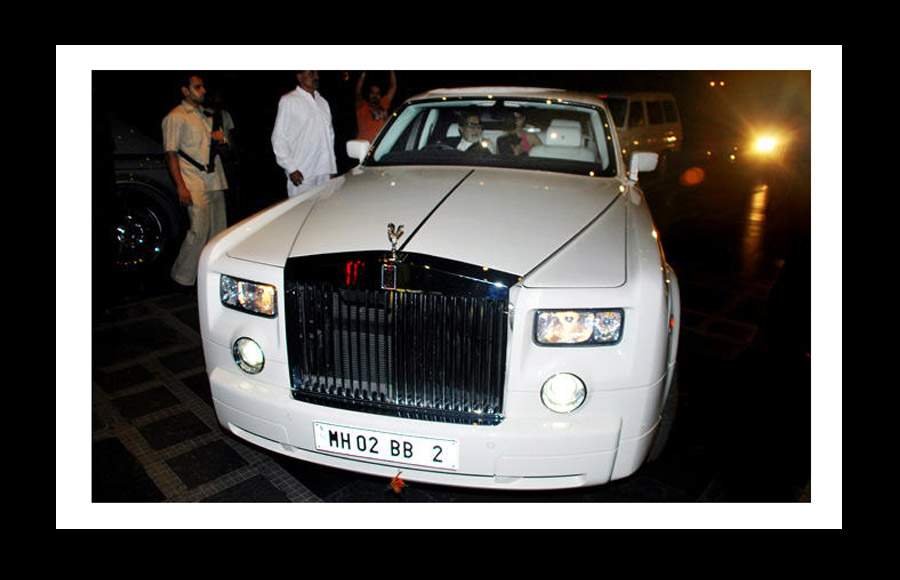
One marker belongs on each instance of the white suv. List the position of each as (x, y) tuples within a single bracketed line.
[(645, 121)]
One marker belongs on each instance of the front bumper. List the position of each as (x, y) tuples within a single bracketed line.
[(529, 450)]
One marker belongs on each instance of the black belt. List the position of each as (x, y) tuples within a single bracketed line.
[(211, 168)]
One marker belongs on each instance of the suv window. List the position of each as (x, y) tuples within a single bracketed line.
[(655, 112), (670, 111), (636, 114)]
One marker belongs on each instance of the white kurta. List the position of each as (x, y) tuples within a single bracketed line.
[(303, 138)]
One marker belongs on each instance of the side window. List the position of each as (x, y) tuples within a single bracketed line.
[(670, 111), (636, 114), (655, 112)]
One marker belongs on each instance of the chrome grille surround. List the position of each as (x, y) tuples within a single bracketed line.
[(426, 341)]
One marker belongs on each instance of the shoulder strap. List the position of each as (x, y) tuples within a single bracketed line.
[(193, 162)]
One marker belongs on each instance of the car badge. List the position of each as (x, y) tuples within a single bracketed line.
[(389, 276)]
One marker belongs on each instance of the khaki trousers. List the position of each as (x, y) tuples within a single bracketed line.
[(207, 219)]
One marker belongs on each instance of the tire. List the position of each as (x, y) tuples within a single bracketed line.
[(146, 226)]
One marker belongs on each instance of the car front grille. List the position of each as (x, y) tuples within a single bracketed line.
[(431, 346)]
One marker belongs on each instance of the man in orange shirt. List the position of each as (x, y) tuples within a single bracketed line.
[(372, 108)]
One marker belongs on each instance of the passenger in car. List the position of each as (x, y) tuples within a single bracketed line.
[(510, 145), (517, 127)]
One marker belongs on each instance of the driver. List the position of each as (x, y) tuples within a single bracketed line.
[(470, 131)]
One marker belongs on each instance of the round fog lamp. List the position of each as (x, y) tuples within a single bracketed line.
[(248, 355), (563, 393)]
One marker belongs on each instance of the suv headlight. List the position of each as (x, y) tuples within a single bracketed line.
[(247, 296), (588, 327), (765, 144)]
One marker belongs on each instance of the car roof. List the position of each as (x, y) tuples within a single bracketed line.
[(511, 92)]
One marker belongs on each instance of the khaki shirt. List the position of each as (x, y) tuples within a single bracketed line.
[(188, 129)]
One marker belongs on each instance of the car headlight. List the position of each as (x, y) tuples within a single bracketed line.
[(247, 296), (588, 327)]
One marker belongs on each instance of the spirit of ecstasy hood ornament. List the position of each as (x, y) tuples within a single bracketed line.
[(389, 267), (394, 234)]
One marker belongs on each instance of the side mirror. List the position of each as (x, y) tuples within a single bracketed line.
[(642, 161), (358, 149)]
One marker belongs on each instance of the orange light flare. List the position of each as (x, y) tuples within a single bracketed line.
[(692, 176)]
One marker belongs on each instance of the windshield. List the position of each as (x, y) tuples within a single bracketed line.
[(499, 133)]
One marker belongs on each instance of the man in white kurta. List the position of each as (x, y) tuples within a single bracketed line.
[(303, 137), (187, 132)]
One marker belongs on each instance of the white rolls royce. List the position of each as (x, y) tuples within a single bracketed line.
[(483, 301)]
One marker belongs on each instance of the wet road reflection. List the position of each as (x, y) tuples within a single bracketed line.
[(754, 228)]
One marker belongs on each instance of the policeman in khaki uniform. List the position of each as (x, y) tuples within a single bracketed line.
[(187, 135)]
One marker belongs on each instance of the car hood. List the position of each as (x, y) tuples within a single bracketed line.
[(499, 219)]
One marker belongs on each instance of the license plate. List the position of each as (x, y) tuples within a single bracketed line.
[(386, 446)]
